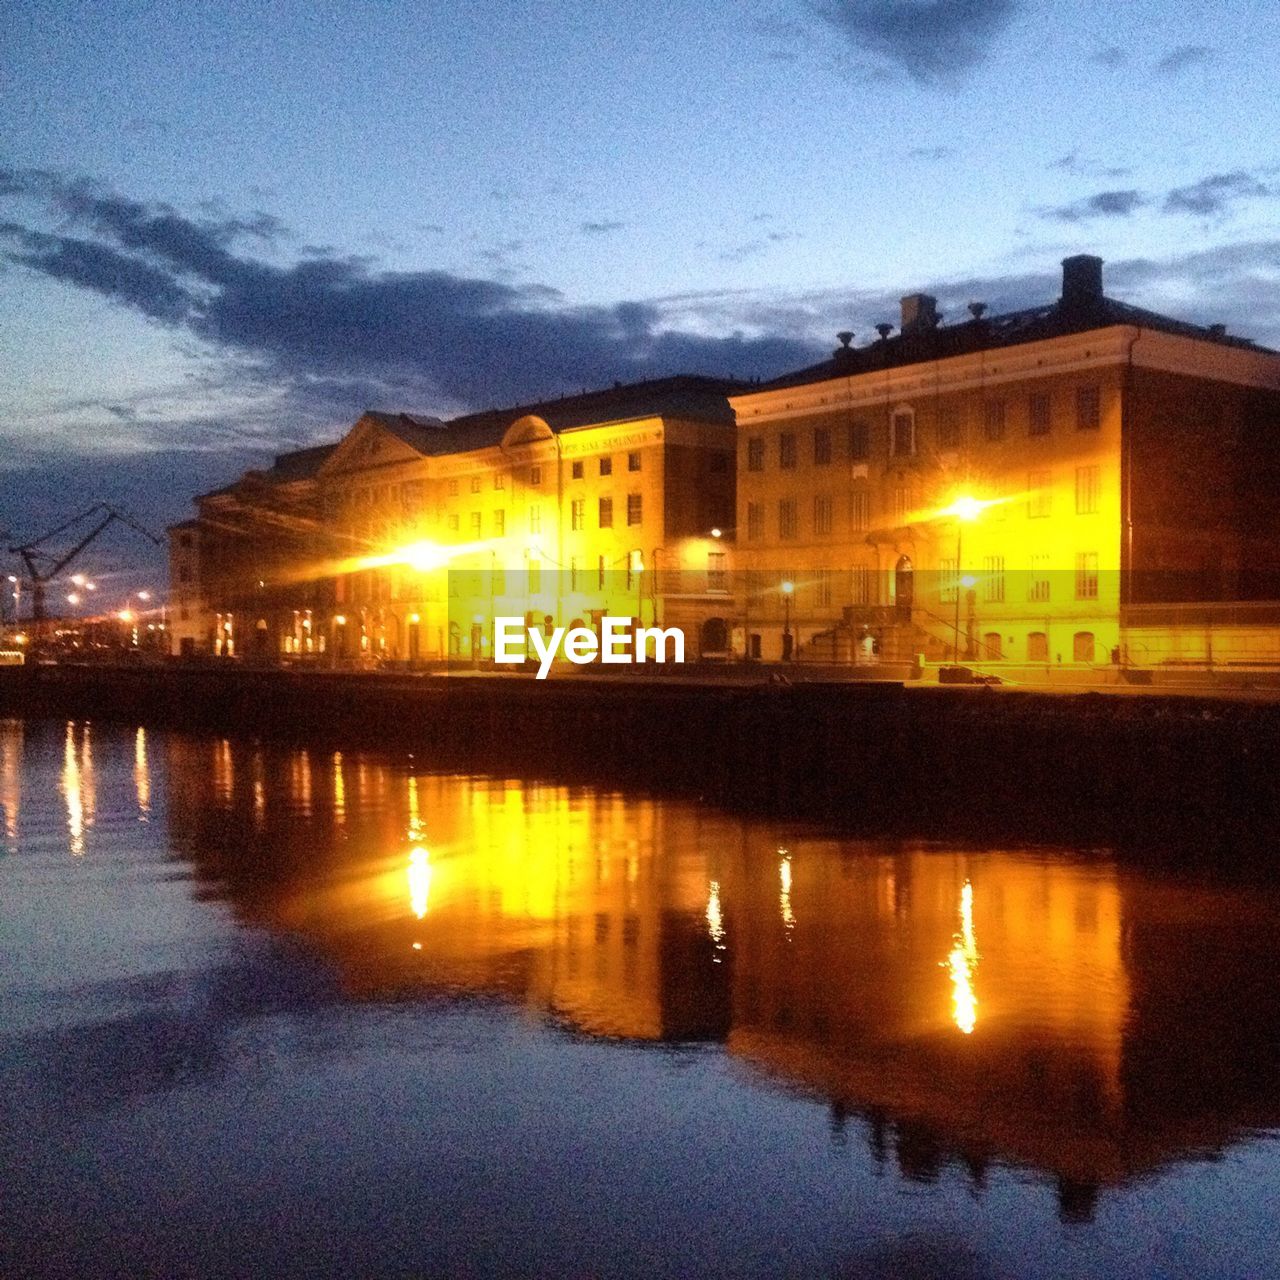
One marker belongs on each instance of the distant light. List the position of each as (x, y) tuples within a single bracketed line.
[(73, 598), (78, 579), (125, 615), (341, 619), (788, 586), (415, 618), (968, 580), (91, 586), (965, 507), (12, 578), (717, 533), (144, 595)]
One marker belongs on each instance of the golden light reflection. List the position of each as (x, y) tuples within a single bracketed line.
[(963, 963), (10, 775), (715, 918), (419, 882), (142, 775), (73, 793), (339, 791), (784, 890)]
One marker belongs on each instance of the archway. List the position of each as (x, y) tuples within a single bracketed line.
[(904, 588), (713, 636)]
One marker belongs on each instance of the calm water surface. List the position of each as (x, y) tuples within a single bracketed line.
[(267, 1011)]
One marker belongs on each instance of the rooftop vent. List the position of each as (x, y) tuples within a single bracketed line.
[(977, 310), (1081, 280), (1218, 330), (919, 313), (844, 351), (884, 330)]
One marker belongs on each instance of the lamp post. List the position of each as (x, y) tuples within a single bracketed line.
[(788, 590), (966, 510)]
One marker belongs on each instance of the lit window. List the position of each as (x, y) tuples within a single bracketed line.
[(633, 462), (453, 520), (1038, 580), (1087, 575), (499, 523), (716, 575), (1086, 491), (787, 518), (993, 579), (475, 484), (578, 514), (499, 480), (475, 524)]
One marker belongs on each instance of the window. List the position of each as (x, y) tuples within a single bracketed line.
[(499, 523), (993, 579), (1038, 413), (535, 575), (578, 514), (499, 480), (901, 504), (948, 428), (902, 434), (822, 588), (787, 518), (822, 513), (864, 586), (453, 487), (453, 520), (600, 573), (573, 573), (755, 453), (1088, 408), (992, 646), (822, 446), (1039, 494), (859, 441), (716, 575), (1038, 581), (475, 484), (633, 462), (606, 466), (993, 420), (476, 527), (1037, 647), (755, 521), (860, 510), (787, 450), (1082, 646), (535, 475), (948, 580), (606, 513), (635, 509), (577, 469), (535, 519), (1087, 575), (1086, 491)]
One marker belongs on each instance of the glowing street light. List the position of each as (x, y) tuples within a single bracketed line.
[(422, 557)]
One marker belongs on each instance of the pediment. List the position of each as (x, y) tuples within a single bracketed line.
[(369, 443)]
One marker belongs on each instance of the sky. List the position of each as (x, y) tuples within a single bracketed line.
[(227, 228)]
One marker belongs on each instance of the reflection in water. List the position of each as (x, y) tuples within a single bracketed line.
[(962, 962), (142, 775), (10, 776), (815, 960), (78, 786)]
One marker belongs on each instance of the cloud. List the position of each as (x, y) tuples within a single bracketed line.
[(1214, 194), (1182, 58), (600, 228), (1105, 204), (933, 41), (930, 153), (1112, 57), (326, 328)]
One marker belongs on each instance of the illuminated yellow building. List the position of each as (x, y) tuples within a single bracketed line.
[(1038, 488), (401, 542)]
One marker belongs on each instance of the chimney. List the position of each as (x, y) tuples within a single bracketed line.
[(1081, 280), (919, 313)]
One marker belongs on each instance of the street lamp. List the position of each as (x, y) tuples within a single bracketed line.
[(788, 590), (966, 510)]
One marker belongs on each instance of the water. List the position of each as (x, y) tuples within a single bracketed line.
[(278, 1011)]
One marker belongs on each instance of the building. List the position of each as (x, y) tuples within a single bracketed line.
[(1076, 485), (404, 540)]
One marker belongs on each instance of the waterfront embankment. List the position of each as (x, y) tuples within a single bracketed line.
[(1152, 770)]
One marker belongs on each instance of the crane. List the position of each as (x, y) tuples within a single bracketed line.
[(53, 564)]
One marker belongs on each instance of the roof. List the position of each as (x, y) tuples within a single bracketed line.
[(300, 464), (684, 396), (987, 333)]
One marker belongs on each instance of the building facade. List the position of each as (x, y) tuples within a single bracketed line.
[(1045, 489), (403, 541)]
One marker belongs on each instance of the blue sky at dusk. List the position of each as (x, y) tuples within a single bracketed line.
[(227, 228)]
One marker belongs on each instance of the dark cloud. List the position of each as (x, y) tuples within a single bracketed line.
[(1111, 57), (933, 41), (930, 153), (1105, 204), (328, 326), (600, 228), (1214, 194), (1183, 57)]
